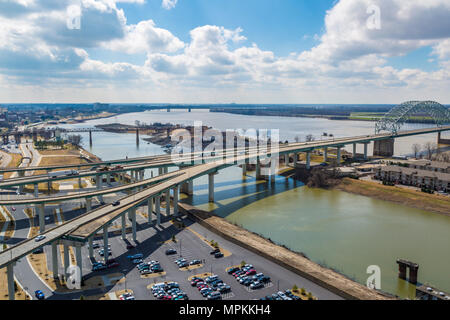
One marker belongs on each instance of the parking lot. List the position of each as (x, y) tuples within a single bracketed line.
[(191, 243)]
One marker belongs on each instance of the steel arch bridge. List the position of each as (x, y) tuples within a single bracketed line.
[(394, 119)]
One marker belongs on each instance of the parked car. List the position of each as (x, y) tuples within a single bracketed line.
[(116, 203), (137, 261), (256, 285), (214, 296), (195, 262), (218, 255), (215, 251), (98, 267), (171, 252), (135, 256), (38, 250), (232, 270), (39, 295), (95, 245)]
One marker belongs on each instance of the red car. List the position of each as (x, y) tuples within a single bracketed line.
[(195, 281), (250, 272)]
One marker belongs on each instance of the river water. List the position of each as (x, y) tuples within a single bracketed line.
[(339, 230)]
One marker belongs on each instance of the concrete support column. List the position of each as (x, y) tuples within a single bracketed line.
[(295, 159), (160, 171), (124, 227), (211, 187), (91, 247), (365, 151), (166, 170), (167, 198), (150, 210), (354, 150), (308, 160), (79, 259), (286, 159), (36, 190), (41, 212), (108, 178), (338, 156), (175, 200), (244, 169), (413, 270), (88, 204), (325, 154), (258, 169), (66, 260), (80, 185), (55, 260), (105, 243), (98, 181), (10, 276), (158, 209), (132, 214)]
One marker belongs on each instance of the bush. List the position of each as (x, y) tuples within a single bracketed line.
[(295, 288)]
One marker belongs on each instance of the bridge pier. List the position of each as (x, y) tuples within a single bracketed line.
[(91, 246), (158, 209), (308, 160), (36, 190), (325, 154), (105, 243), (167, 199), (258, 169), (66, 260), (41, 212), (441, 140), (150, 211), (354, 151), (295, 159), (176, 192), (55, 265), (123, 226), (79, 261), (132, 216), (88, 204), (384, 148), (10, 277), (211, 187), (188, 188), (90, 138)]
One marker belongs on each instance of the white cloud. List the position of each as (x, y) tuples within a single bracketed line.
[(169, 4)]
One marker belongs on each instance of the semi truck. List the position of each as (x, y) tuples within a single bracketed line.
[(68, 173)]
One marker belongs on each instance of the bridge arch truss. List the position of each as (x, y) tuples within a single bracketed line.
[(395, 118)]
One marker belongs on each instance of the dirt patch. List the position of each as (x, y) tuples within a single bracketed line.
[(327, 278), (16, 160), (411, 198)]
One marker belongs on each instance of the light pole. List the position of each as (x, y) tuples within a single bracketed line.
[(125, 277)]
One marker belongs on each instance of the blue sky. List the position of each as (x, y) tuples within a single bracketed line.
[(218, 51)]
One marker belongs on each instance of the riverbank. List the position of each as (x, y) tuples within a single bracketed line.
[(290, 260), (411, 198)]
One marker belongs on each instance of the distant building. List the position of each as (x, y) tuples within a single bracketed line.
[(435, 180)]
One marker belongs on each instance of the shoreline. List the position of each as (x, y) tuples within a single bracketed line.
[(414, 199), (293, 261)]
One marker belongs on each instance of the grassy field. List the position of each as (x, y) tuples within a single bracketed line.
[(411, 198), (15, 162)]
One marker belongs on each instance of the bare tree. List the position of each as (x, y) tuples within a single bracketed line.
[(310, 138), (430, 149), (75, 139), (416, 149), (297, 139)]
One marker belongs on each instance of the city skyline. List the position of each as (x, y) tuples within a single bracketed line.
[(150, 51)]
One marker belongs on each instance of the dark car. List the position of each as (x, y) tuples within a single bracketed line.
[(116, 203), (39, 294), (215, 251), (38, 250), (232, 270), (171, 252), (218, 255)]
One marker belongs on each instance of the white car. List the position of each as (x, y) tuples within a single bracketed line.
[(39, 238)]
